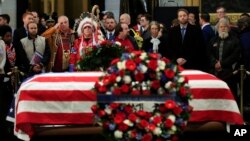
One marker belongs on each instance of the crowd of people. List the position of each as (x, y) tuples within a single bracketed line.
[(52, 46)]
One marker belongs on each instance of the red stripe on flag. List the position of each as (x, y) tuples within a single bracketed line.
[(216, 115), (57, 95), (201, 77), (55, 118), (211, 93)]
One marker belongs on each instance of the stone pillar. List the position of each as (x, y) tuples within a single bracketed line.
[(9, 7), (113, 6)]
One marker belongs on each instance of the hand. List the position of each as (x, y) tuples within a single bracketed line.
[(218, 66), (37, 68), (56, 26), (181, 61)]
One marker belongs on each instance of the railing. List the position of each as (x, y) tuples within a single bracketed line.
[(243, 74)]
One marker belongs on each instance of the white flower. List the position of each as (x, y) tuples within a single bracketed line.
[(108, 93), (143, 56), (118, 43), (143, 68), (128, 122), (168, 85), (118, 134), (172, 118), (173, 128), (108, 111), (157, 131), (160, 91), (181, 80), (127, 79), (161, 65), (118, 79)]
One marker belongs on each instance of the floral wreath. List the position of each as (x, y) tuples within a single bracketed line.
[(99, 57), (142, 75)]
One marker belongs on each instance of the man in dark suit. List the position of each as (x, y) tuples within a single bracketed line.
[(20, 33), (207, 30), (185, 44)]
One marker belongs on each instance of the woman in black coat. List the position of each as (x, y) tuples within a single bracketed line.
[(154, 44)]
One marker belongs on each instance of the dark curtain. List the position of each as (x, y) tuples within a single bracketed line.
[(100, 3), (135, 7)]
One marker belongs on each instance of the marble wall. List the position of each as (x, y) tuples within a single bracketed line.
[(9, 7)]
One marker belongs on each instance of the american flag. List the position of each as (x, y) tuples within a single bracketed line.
[(66, 99)]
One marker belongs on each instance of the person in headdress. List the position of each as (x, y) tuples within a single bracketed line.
[(89, 38)]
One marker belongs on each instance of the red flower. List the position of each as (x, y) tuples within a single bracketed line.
[(106, 80), (104, 42), (121, 73), (102, 89), (170, 104), (101, 113), (116, 91), (132, 117), (147, 137), (177, 110), (162, 108), (105, 125), (94, 108), (135, 92), (115, 61), (146, 92), (169, 73), (137, 60), (168, 123), (130, 65), (175, 138), (141, 113), (152, 65), (122, 127), (128, 109), (139, 76), (137, 52), (183, 91), (119, 118), (112, 78), (114, 105), (155, 84), (97, 85), (143, 124), (151, 127), (157, 120), (133, 134), (154, 55), (125, 88)]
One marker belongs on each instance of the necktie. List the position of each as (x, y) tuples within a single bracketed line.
[(111, 37), (183, 30)]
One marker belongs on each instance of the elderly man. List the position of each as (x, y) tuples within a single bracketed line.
[(224, 53), (60, 40)]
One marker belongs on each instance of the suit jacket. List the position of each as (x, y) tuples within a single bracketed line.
[(18, 35), (208, 33), (192, 48)]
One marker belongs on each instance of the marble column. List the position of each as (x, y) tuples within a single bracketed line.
[(9, 7)]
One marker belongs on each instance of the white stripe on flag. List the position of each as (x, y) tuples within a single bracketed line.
[(58, 86), (214, 104), (192, 72), (55, 106), (207, 84)]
